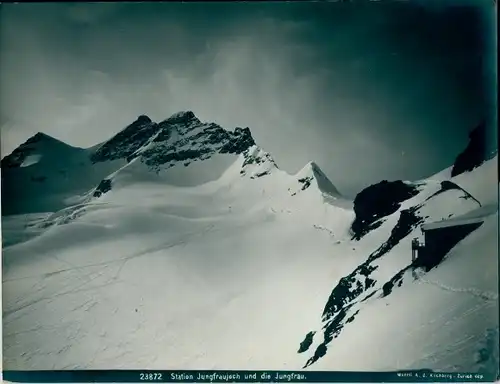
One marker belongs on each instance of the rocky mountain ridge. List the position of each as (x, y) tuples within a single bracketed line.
[(180, 140)]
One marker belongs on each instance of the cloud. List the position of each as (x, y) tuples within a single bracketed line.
[(349, 87), (91, 12)]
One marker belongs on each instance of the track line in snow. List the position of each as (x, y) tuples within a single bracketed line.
[(485, 295), (321, 228), (170, 244), (76, 289)]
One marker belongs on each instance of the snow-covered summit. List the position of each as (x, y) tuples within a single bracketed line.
[(311, 174), (182, 117), (257, 162), (144, 148)]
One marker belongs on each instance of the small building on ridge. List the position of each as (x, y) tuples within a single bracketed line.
[(441, 236)]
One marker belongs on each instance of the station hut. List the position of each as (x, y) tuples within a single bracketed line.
[(441, 236)]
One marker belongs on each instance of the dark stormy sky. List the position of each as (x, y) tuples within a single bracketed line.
[(368, 90)]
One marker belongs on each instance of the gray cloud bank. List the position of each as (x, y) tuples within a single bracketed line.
[(369, 91)]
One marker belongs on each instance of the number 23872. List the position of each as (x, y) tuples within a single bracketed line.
[(150, 376)]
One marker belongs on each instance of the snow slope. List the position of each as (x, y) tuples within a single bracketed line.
[(229, 262), (44, 172), (442, 319), (46, 175), (154, 275)]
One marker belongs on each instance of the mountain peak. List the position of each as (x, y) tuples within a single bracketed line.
[(182, 117), (257, 162), (312, 172), (143, 119), (38, 143), (38, 137), (126, 142), (312, 167), (180, 137), (184, 138)]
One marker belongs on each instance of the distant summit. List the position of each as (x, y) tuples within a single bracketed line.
[(40, 142), (181, 137), (126, 142), (182, 117), (143, 119), (54, 175), (313, 173), (257, 162), (311, 177)]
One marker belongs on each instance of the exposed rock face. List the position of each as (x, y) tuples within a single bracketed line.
[(378, 201), (257, 162), (17, 157), (182, 118), (479, 149), (181, 137), (312, 175), (306, 182), (128, 141), (103, 187), (306, 343), (184, 137)]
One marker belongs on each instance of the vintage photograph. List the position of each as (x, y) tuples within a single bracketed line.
[(286, 186)]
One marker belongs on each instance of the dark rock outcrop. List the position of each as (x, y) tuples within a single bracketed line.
[(480, 149), (306, 182), (376, 202), (181, 137), (257, 158), (240, 141), (306, 343), (103, 187), (260, 174), (397, 279), (196, 141), (126, 142), (17, 157)]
